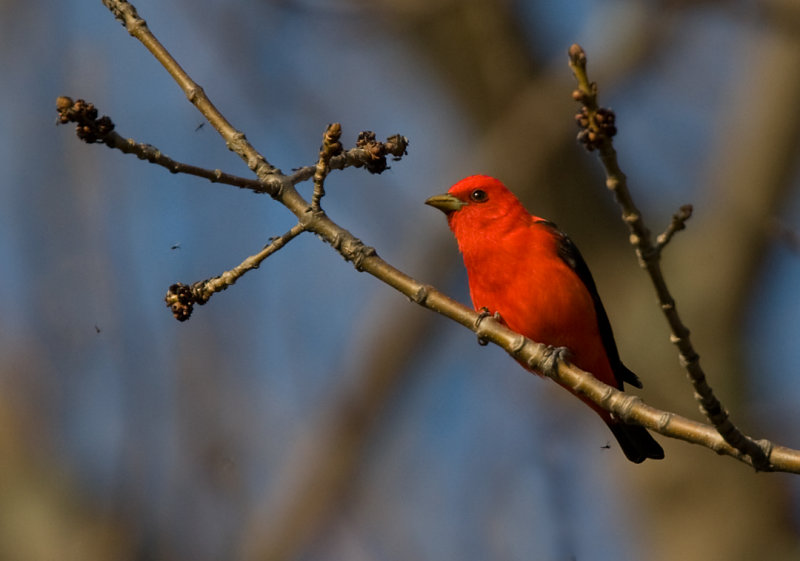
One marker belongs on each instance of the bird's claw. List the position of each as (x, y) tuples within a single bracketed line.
[(484, 313), (552, 357)]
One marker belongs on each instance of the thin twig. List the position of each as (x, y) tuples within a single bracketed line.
[(330, 147), (596, 134), (93, 129), (373, 157), (181, 298), (155, 156), (677, 224)]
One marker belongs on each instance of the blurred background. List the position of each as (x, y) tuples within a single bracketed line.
[(311, 413)]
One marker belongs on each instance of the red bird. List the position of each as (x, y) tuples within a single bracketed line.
[(523, 268)]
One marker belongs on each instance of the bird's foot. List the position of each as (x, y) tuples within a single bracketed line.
[(552, 357), (484, 313)]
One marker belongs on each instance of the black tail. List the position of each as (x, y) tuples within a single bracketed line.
[(636, 442)]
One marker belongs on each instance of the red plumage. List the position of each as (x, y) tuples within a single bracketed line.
[(522, 267)]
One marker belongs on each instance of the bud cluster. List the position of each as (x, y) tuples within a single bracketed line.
[(376, 151), (89, 128), (180, 300), (595, 127)]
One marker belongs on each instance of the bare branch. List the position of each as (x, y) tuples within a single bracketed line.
[(92, 129), (597, 128), (181, 298)]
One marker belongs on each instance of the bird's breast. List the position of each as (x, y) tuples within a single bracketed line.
[(537, 294)]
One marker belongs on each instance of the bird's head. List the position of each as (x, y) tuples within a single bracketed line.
[(479, 202)]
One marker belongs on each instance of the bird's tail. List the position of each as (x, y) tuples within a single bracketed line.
[(635, 441)]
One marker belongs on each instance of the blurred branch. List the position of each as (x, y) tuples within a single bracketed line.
[(477, 47), (45, 512), (789, 236), (597, 130)]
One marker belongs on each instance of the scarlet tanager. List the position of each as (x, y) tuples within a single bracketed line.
[(523, 268)]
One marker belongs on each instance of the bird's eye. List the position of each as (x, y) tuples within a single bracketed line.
[(479, 196)]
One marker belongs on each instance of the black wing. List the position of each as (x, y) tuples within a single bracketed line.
[(569, 253)]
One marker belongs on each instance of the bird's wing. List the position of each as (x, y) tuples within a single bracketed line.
[(569, 253)]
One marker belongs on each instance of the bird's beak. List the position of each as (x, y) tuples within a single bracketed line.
[(447, 203)]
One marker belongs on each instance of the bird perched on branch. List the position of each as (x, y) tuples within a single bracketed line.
[(524, 269)]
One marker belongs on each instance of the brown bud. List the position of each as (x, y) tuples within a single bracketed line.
[(333, 132), (397, 146), (63, 103), (180, 301), (577, 54), (364, 138)]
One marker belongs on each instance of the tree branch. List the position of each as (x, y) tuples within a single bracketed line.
[(597, 129), (181, 298), (93, 129)]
